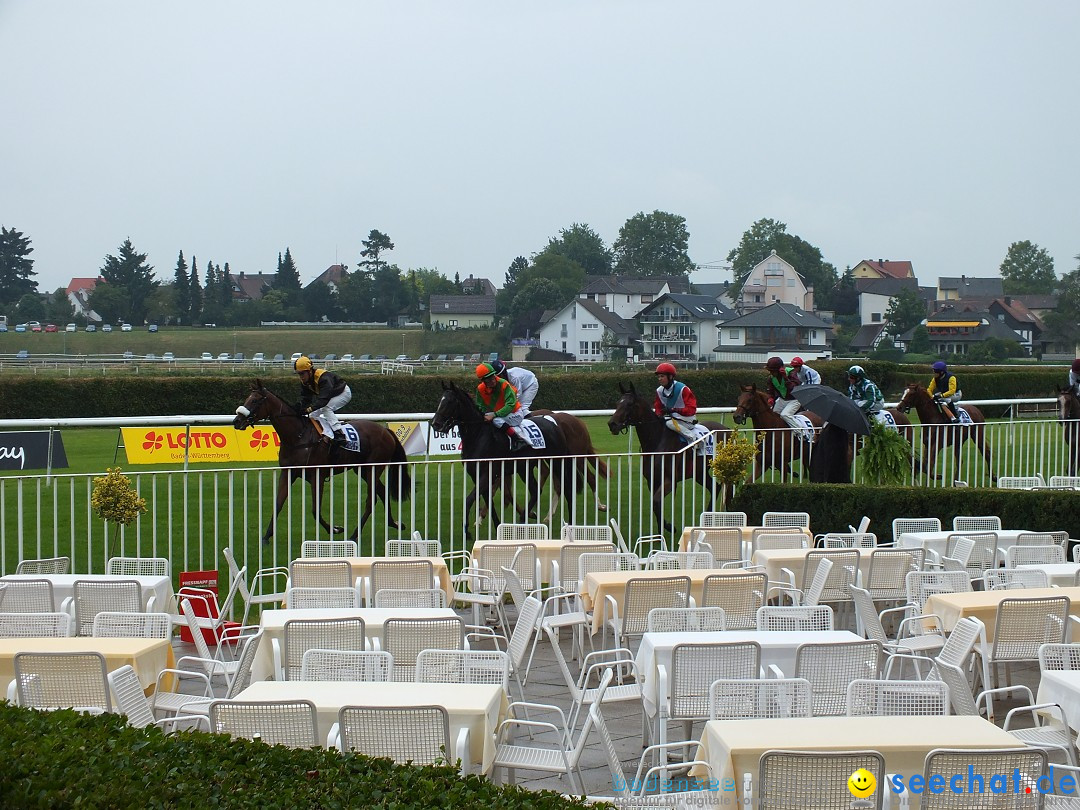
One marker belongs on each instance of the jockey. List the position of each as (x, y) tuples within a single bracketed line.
[(497, 400), (945, 390), (675, 403), (524, 381), (1074, 377), (806, 375), (863, 391), (781, 382), (322, 393)]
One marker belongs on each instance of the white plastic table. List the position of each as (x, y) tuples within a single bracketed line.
[(160, 588), (1062, 575), (1062, 687)]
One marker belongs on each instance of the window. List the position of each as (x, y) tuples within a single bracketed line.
[(563, 332), (645, 299), (791, 282), (813, 334), (573, 313), (875, 317), (733, 334), (590, 326), (773, 269), (596, 347), (757, 299), (774, 281), (583, 347), (452, 323), (601, 299)]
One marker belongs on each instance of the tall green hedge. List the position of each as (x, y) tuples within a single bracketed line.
[(832, 507), (35, 397), (65, 759)]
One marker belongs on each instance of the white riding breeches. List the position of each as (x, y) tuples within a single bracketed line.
[(680, 424), (526, 396), (787, 408), (513, 419), (326, 417)]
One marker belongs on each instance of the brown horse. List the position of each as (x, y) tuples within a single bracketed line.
[(1069, 416), (588, 465), (780, 447), (303, 454), (661, 468), (939, 433)]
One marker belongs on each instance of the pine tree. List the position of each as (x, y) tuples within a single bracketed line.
[(181, 290), (226, 285), (129, 272), (16, 266), (194, 293), (287, 277)]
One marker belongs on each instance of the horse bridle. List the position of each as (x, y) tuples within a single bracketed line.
[(630, 422), (249, 418)]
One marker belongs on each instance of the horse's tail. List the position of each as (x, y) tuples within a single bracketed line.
[(600, 466), (398, 480)]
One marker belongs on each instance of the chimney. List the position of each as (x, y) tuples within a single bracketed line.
[(1008, 301), (241, 274)]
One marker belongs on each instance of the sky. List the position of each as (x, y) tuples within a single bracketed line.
[(472, 132)]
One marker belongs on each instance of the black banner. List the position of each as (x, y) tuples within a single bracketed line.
[(30, 450)]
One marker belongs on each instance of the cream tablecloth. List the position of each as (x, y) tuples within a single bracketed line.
[(983, 605), (774, 560), (746, 531), (734, 747), (478, 707), (147, 656), (64, 586), (273, 625)]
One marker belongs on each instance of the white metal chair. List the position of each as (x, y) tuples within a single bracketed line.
[(738, 595), (399, 574), (275, 722), (61, 680), (722, 520), (417, 547), (725, 544), (984, 554), (1021, 481), (1033, 555), (224, 636), (591, 563), (843, 571), (888, 568), (860, 540), (823, 573), (921, 585), (764, 698), (91, 597), (1007, 579), (346, 665), (786, 520), (132, 625), (132, 703), (793, 618), (322, 598), (907, 525), (406, 638), (1059, 538), (267, 587), (521, 557), (563, 758), (566, 571), (864, 525), (328, 548), (818, 779), (138, 567), (686, 620), (587, 533), (1022, 626), (768, 541), (871, 697), (314, 573), (976, 523), (1059, 657), (927, 642), (410, 598), (49, 565), (831, 667), (522, 532), (464, 666), (165, 701), (301, 635), (679, 560), (35, 625), (639, 597), (406, 734), (980, 766), (27, 596)]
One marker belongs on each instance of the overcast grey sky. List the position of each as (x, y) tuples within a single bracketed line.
[(471, 132)]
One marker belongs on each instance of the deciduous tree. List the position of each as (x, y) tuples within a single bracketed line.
[(580, 243), (767, 235), (653, 245), (1027, 269), (1064, 321), (906, 310)]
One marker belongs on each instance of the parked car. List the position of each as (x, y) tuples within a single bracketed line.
[(152, 327), (365, 357), (459, 358), (20, 327), (3, 327), (91, 327), (22, 354), (51, 327), (381, 357), (402, 358), (239, 357), (442, 358), (35, 327), (224, 357), (151, 356), (278, 358), (168, 357), (330, 356), (295, 356), (425, 358), (107, 327), (347, 358), (129, 355), (258, 357), (71, 327), (207, 357), (125, 327)]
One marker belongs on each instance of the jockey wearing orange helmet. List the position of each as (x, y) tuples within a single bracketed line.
[(497, 400), (322, 393), (674, 400)]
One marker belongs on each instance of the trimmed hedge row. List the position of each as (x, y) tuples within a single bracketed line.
[(31, 397), (832, 507), (67, 759)]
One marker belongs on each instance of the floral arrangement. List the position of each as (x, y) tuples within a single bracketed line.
[(731, 463), (113, 499)]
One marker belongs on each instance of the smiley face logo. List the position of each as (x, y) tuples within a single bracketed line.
[(861, 783)]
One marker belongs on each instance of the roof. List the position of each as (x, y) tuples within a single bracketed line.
[(619, 326), (702, 307), (867, 336), (890, 269), (77, 284), (885, 286), (331, 275), (780, 314), (652, 285), (462, 305), (253, 286), (967, 286), (478, 285), (992, 329), (1037, 301)]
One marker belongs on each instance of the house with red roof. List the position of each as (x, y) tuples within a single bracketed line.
[(78, 293), (883, 268)]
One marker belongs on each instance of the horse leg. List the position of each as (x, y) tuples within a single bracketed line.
[(285, 480), (377, 492), (658, 495), (980, 440), (593, 471), (316, 481)]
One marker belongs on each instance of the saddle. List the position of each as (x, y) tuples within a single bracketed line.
[(531, 432)]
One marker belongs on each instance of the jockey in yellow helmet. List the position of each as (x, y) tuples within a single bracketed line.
[(322, 393)]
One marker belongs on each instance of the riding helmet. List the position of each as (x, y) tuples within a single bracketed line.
[(774, 364), (484, 370), (665, 368), (302, 363), (1076, 366), (939, 366), (796, 362), (498, 365), (856, 371)]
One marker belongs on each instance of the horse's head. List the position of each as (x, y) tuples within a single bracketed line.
[(1068, 404), (748, 404), (455, 407), (630, 410), (255, 407), (914, 394)]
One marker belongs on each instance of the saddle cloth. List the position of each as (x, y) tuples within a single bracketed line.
[(353, 438), (807, 432), (530, 431), (691, 432), (885, 419), (962, 415)]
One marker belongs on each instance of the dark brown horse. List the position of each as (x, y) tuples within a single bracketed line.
[(303, 454), (939, 433), (1069, 416), (779, 447), (588, 465), (668, 461)]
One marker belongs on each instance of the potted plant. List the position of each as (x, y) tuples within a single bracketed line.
[(115, 500)]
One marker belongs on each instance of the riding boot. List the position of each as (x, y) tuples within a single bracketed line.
[(516, 442), (339, 439)]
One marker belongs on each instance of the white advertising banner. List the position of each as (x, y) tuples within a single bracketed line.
[(419, 439)]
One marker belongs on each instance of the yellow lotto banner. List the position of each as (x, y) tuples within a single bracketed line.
[(209, 445)]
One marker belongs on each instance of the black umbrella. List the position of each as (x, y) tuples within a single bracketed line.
[(832, 406)]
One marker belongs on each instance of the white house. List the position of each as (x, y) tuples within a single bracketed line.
[(774, 281), (778, 329), (585, 329), (678, 326), (626, 297)]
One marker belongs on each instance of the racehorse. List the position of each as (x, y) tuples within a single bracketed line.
[(661, 467), (481, 440), (1069, 416), (588, 465), (779, 446), (303, 454), (939, 433)]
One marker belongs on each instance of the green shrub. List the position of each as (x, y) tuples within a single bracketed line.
[(832, 507), (67, 759)]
